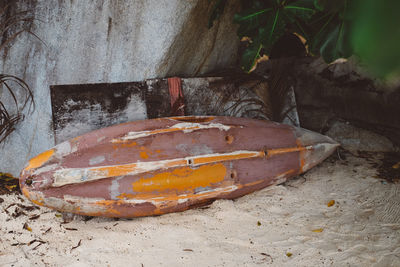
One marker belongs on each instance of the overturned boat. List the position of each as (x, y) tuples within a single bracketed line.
[(158, 166)]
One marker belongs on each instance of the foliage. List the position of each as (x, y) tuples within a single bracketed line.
[(11, 26), (376, 36), (264, 22), (332, 29), (8, 121)]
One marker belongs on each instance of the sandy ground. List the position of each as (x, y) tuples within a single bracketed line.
[(285, 225)]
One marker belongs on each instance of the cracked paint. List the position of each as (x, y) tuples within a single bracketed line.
[(130, 173), (181, 179), (185, 127), (78, 175), (40, 159)]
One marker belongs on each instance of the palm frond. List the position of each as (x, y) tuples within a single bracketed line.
[(12, 24), (7, 122)]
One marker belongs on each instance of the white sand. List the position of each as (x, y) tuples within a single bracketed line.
[(361, 229)]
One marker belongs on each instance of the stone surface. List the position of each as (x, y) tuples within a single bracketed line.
[(108, 41), (353, 138), (326, 93)]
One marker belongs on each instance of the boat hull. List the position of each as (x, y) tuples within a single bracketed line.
[(158, 166)]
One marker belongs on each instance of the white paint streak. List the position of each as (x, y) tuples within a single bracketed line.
[(78, 175), (189, 127), (68, 203), (76, 199), (101, 139), (96, 160), (63, 149), (114, 188), (182, 200), (186, 127)]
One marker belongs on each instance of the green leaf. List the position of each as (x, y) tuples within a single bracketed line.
[(329, 6), (319, 5), (299, 28), (238, 18), (376, 36), (302, 9), (272, 30), (322, 29), (337, 44), (250, 55), (250, 21)]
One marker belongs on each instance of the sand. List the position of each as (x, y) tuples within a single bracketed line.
[(284, 225)]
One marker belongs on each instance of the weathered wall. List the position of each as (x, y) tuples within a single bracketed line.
[(108, 41)]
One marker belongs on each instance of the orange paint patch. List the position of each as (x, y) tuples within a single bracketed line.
[(144, 155), (132, 144), (301, 156), (182, 179), (244, 155), (119, 145), (193, 119), (143, 167), (120, 170), (40, 159), (33, 197), (170, 200), (145, 152), (175, 163), (25, 192), (112, 171), (272, 152), (109, 204)]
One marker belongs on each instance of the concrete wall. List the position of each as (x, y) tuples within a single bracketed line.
[(94, 41)]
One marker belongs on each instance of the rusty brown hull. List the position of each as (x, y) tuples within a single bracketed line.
[(157, 166)]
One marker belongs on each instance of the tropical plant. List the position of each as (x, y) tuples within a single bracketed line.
[(332, 29), (11, 26), (7, 120), (376, 36)]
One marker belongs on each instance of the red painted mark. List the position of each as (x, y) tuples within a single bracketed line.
[(176, 95)]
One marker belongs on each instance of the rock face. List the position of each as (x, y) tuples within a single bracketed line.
[(107, 41), (353, 138), (326, 93)]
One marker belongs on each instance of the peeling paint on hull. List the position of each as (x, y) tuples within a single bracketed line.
[(141, 169)]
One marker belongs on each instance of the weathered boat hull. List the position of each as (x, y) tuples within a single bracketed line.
[(158, 166)]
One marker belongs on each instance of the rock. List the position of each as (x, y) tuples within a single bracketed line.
[(353, 138), (325, 93), (104, 41)]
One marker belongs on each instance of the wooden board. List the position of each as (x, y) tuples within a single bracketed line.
[(78, 109)]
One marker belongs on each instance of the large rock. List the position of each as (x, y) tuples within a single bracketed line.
[(108, 41), (326, 93), (356, 139)]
